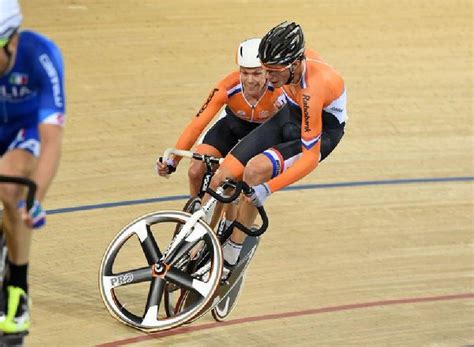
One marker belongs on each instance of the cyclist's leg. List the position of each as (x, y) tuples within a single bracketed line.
[(19, 160), (258, 170), (272, 163), (239, 128), (280, 128), (217, 141), (197, 168), (244, 150), (15, 163), (329, 140), (283, 126), (226, 133), (261, 169)]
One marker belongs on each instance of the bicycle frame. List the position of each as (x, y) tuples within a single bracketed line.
[(188, 228), (217, 196), (205, 212)]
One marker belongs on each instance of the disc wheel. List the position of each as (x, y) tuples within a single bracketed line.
[(224, 308)]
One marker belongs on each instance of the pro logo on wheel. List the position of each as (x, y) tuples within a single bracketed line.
[(122, 279)]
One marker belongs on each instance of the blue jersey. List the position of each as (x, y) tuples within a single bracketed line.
[(32, 92)]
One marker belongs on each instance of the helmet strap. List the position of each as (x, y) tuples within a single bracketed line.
[(7, 51), (292, 70), (5, 48), (9, 55), (292, 74)]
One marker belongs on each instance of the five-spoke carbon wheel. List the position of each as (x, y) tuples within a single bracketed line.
[(135, 278)]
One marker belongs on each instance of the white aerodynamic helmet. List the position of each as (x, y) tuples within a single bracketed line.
[(247, 53), (10, 18)]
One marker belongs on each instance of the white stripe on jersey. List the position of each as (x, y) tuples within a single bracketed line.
[(308, 144), (238, 86), (54, 119), (32, 145), (338, 108)]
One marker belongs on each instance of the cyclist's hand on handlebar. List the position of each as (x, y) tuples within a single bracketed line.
[(165, 168), (259, 194), (34, 218)]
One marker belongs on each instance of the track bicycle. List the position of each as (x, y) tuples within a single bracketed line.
[(189, 263), (230, 290)]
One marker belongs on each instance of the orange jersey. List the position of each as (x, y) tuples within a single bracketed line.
[(229, 92), (320, 88)]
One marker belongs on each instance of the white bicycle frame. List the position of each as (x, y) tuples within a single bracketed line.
[(204, 213)]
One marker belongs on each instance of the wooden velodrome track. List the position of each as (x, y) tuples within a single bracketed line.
[(362, 263)]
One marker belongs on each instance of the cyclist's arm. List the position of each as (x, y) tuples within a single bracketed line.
[(50, 117), (51, 139), (217, 98), (311, 128)]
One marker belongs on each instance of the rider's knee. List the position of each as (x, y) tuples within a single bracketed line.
[(195, 171), (257, 171), (10, 195)]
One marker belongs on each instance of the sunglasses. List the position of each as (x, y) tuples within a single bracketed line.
[(275, 69), (6, 37)]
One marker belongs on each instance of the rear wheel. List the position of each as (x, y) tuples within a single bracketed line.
[(225, 307)]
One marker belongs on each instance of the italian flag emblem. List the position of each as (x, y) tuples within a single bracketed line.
[(18, 79)]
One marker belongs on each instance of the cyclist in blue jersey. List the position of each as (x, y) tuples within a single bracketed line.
[(32, 107)]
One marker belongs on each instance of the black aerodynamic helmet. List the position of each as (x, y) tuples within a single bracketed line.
[(282, 45)]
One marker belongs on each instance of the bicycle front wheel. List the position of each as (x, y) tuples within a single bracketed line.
[(133, 290)]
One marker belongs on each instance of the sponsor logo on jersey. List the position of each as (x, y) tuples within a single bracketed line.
[(214, 91), (14, 92), (19, 79), (53, 77), (306, 99)]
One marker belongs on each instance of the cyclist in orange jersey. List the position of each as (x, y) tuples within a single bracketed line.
[(250, 101), (292, 143)]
